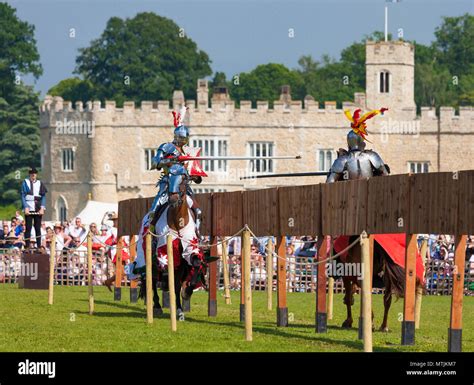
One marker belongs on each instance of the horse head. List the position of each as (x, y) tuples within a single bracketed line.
[(177, 186)]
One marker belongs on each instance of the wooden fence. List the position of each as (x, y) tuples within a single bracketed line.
[(441, 203), (412, 204)]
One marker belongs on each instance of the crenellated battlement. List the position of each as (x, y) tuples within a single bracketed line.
[(158, 112), (164, 106)]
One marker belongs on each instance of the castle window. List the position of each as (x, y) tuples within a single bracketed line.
[(261, 149), (61, 208), (418, 167), (384, 82), (212, 147), (67, 158), (325, 159), (149, 155)]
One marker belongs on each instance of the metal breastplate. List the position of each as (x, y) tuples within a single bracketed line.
[(359, 166)]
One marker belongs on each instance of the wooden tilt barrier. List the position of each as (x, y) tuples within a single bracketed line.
[(412, 204)]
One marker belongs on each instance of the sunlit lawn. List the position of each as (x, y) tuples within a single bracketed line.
[(30, 324)]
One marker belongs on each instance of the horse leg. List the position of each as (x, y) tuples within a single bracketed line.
[(348, 301), (157, 310), (177, 291), (387, 301)]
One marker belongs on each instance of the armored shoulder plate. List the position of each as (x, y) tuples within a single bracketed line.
[(342, 151), (340, 163), (377, 163), (375, 159), (338, 167), (167, 148), (164, 150)]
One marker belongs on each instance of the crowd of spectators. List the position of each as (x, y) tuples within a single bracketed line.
[(300, 255), (71, 248), (301, 267)]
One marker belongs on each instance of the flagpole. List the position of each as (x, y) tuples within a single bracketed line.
[(386, 22)]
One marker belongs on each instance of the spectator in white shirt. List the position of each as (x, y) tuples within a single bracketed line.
[(77, 232), (62, 240)]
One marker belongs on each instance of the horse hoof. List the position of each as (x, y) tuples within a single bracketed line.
[(184, 295), (384, 329), (157, 312), (347, 324)]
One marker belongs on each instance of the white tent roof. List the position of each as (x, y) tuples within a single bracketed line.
[(95, 211)]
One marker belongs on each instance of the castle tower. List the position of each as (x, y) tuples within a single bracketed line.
[(390, 76)]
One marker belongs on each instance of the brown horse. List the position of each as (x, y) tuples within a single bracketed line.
[(187, 277), (386, 273)]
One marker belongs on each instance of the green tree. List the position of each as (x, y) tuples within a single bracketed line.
[(432, 79), (264, 83), (19, 132), (337, 80), (19, 141), (454, 41), (73, 89), (143, 58), (18, 52)]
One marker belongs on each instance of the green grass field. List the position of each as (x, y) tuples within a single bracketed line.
[(30, 324)]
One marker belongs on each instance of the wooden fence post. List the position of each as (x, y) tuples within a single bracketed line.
[(247, 284), (133, 283), (321, 314), (455, 325), (169, 247), (330, 304), (212, 294), (225, 268), (242, 281), (149, 280), (419, 289), (366, 292), (408, 323), (89, 273), (330, 297), (282, 309), (269, 262), (118, 271), (357, 249), (52, 260)]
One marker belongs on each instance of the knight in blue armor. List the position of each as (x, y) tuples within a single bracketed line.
[(174, 171)]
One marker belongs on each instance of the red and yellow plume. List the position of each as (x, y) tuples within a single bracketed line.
[(358, 122)]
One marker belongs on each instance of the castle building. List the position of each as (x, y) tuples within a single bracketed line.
[(104, 153)]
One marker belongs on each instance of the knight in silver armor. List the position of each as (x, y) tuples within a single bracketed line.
[(356, 162), (166, 160)]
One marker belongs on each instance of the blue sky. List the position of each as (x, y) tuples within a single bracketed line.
[(237, 34)]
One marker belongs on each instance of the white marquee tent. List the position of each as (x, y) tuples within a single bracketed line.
[(95, 211)]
